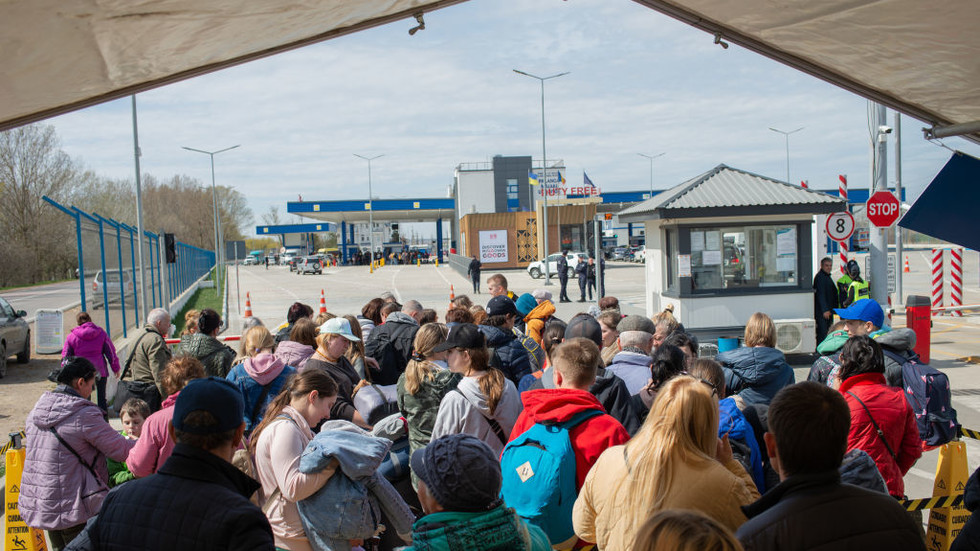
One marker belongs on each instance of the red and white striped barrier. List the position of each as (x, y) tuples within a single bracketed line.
[(956, 280), (937, 278), (842, 245)]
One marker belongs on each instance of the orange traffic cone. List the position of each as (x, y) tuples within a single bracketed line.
[(452, 292), (248, 305), (906, 268), (323, 303)]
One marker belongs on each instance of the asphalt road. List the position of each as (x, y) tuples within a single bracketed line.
[(53, 296)]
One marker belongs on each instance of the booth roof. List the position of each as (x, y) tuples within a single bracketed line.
[(726, 191)]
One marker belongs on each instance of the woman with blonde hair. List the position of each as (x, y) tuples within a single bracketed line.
[(755, 372), (424, 384), (675, 461), (277, 444), (485, 403), (355, 354), (261, 376), (679, 530), (333, 341)]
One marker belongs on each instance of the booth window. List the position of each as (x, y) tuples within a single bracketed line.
[(673, 282), (741, 257)]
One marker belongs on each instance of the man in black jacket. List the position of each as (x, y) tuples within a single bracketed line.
[(392, 342), (197, 500), (563, 277), (810, 508), (474, 272), (824, 298)]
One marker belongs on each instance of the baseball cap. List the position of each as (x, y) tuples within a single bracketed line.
[(461, 472), (865, 310), (462, 335), (501, 305), (217, 396), (584, 326), (338, 326)]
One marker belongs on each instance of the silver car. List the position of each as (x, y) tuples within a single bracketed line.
[(309, 265), (15, 336)]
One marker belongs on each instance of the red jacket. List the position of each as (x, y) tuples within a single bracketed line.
[(895, 417), (589, 438)]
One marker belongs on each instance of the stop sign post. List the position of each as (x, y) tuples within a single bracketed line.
[(883, 208)]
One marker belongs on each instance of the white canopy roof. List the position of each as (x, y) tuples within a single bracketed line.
[(918, 57)]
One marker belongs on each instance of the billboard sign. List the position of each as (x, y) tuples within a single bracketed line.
[(493, 246)]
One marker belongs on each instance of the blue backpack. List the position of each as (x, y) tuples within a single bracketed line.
[(927, 391), (538, 470)]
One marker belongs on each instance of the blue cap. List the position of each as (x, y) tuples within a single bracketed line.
[(219, 397), (863, 310)]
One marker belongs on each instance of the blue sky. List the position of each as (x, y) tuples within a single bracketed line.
[(639, 82)]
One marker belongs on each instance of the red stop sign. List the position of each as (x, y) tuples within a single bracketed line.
[(883, 209)]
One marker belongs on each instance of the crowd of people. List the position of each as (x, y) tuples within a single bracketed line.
[(503, 428)]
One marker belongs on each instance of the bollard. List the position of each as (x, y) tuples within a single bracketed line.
[(937, 278), (918, 318), (18, 536), (956, 280)]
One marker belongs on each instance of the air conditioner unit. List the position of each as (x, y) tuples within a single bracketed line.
[(796, 336)]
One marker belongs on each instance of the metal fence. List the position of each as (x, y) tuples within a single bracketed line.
[(108, 269)]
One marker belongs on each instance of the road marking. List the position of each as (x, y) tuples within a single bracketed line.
[(394, 286)]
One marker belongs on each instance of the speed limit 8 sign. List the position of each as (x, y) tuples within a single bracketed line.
[(840, 226)]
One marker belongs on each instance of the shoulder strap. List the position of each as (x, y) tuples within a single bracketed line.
[(881, 433), (581, 417), (132, 353), (88, 467), (258, 404), (898, 358), (494, 425)]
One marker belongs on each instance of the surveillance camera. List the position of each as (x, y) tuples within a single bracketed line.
[(884, 129)]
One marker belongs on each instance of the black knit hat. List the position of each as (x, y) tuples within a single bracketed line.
[(461, 472)]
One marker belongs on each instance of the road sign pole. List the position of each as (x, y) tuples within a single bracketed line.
[(879, 243)]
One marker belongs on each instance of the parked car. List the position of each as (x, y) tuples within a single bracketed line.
[(641, 254), (309, 264), (251, 261), (619, 253), (536, 268), (112, 284), (15, 336)]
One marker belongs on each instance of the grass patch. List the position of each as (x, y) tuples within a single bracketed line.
[(211, 297)]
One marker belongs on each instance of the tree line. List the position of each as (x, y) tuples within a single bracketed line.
[(37, 242)]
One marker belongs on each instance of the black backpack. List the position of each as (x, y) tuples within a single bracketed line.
[(927, 391)]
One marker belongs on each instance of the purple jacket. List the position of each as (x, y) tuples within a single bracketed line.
[(56, 490), (294, 353), (92, 343)]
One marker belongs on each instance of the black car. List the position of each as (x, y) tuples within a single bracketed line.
[(15, 336)]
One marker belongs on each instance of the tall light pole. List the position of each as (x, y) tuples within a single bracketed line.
[(214, 200), (786, 135), (651, 157), (544, 170), (370, 205)]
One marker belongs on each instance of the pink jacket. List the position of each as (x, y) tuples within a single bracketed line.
[(154, 445), (294, 354), (54, 480), (91, 342)]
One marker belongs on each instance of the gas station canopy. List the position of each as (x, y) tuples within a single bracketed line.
[(385, 210)]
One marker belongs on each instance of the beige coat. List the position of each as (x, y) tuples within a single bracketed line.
[(150, 358), (713, 489), (277, 455)]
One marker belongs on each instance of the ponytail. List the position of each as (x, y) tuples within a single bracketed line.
[(492, 386)]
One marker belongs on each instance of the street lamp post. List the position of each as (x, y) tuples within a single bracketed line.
[(786, 135), (370, 205), (214, 200), (544, 170), (651, 158)]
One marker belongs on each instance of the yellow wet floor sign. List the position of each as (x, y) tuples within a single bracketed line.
[(18, 536), (952, 472)]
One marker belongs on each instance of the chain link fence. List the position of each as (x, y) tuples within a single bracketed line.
[(109, 275)]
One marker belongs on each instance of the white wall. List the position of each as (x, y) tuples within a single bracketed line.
[(475, 191)]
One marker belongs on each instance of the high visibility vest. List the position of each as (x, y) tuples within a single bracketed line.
[(843, 284), (861, 289)]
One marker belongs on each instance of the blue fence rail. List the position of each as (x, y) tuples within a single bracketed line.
[(108, 269)]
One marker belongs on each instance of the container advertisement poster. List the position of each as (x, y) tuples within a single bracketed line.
[(493, 246)]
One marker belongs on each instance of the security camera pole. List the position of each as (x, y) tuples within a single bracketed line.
[(544, 171)]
